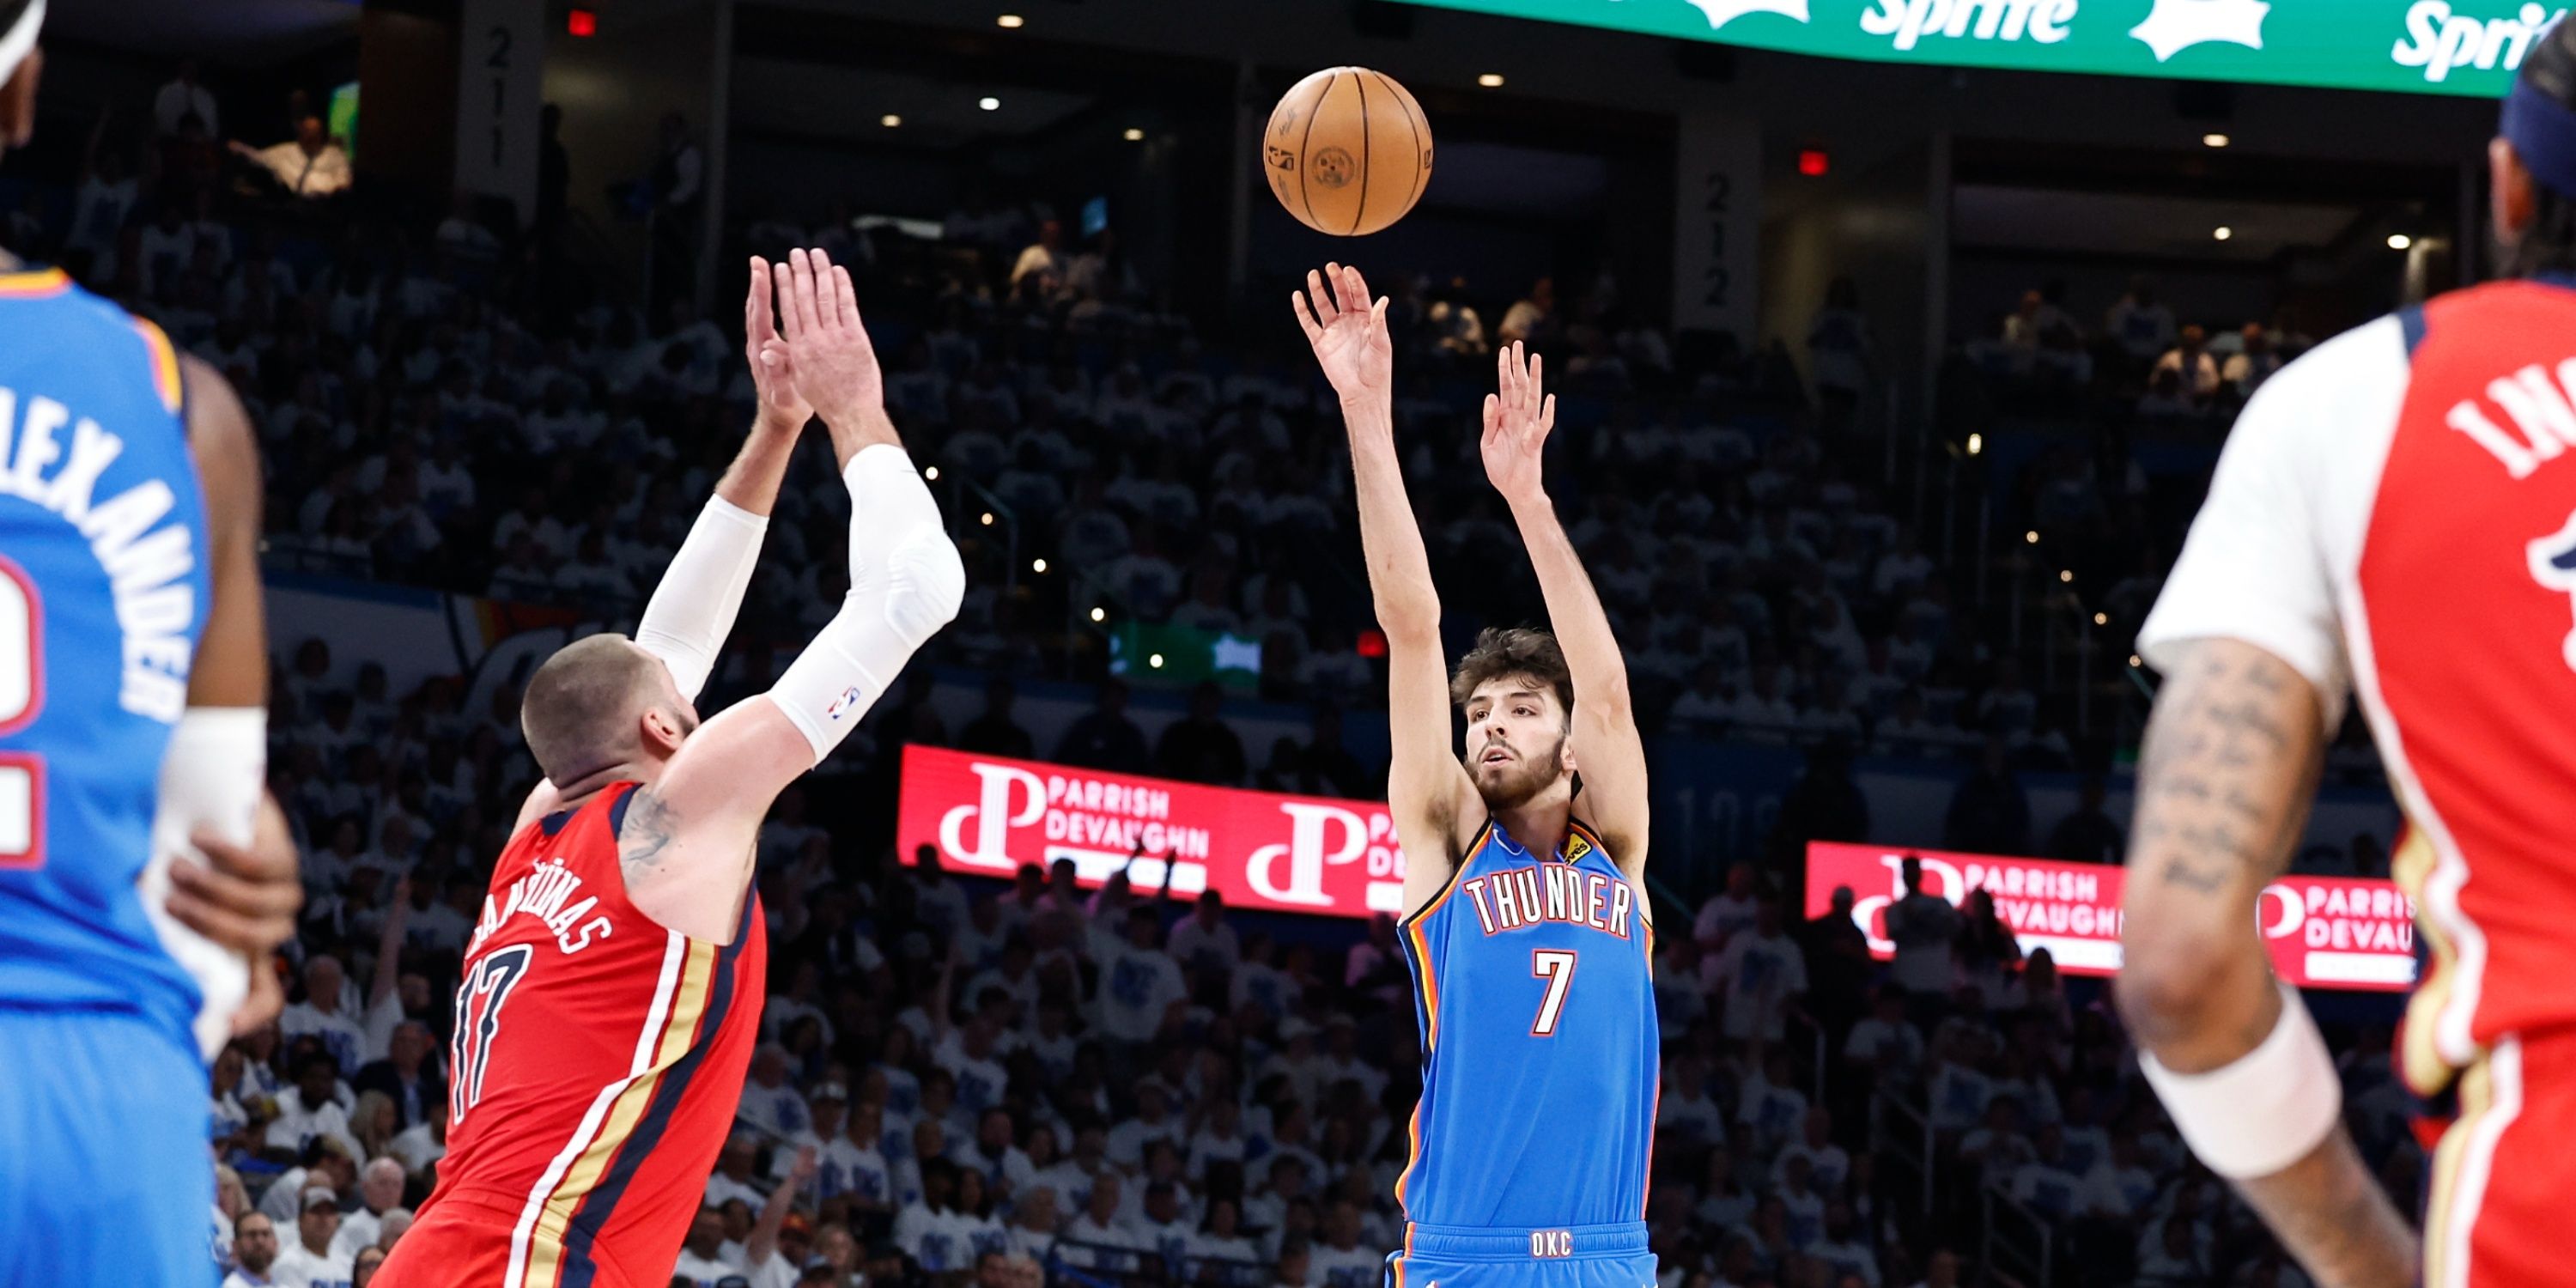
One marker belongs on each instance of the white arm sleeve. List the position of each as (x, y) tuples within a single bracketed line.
[(693, 609), (906, 582), (211, 778)]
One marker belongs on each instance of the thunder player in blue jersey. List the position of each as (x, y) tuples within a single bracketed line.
[(142, 871), (1526, 917)]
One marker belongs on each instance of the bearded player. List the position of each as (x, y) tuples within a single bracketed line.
[(1525, 912), (2394, 515), (612, 990)]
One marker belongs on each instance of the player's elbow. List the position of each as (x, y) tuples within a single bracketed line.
[(1606, 699), (2171, 979), (1409, 625), (926, 585)]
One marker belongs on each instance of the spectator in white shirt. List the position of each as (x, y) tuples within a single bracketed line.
[(1826, 1161), (1219, 1238), (311, 1110), (2191, 360), (311, 1262), (380, 1188), (1340, 1260), (2139, 323), (255, 1251), (324, 1013), (1728, 911), (1765, 973), (768, 1103), (2250, 366), (1845, 1246), (733, 1174), (1686, 1110), (1163, 1226), (1926, 930), (1112, 1244), (1138, 981), (701, 1261), (1204, 936), (310, 165)]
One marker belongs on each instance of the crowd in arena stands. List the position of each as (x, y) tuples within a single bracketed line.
[(2140, 357), (433, 417)]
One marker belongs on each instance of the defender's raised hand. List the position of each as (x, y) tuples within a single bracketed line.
[(1347, 331), (834, 364), (773, 365), (1517, 421)]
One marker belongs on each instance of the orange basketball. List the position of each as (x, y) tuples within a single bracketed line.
[(1348, 151)]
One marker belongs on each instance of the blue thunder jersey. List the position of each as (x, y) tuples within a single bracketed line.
[(1534, 992), (103, 592)]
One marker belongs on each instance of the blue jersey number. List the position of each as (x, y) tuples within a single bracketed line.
[(22, 695)]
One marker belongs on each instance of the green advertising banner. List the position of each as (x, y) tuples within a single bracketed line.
[(2466, 47)]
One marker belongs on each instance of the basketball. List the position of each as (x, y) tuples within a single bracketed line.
[(1348, 151)]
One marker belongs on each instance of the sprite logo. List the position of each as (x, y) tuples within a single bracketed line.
[(2442, 40), (1910, 21)]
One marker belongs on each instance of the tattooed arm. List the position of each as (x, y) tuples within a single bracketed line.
[(2232, 755)]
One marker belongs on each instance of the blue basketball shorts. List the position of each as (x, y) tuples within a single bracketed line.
[(1582, 1256), (105, 1175)]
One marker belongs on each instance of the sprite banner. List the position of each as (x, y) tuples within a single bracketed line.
[(2468, 47)]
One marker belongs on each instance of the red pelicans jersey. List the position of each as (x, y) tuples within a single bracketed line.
[(2395, 515), (596, 1065)]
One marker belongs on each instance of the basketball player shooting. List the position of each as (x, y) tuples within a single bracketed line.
[(1525, 914), (613, 986), (2394, 516)]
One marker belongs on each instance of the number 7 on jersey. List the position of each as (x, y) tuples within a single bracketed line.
[(1556, 966)]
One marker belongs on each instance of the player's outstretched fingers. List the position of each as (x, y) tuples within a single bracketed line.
[(1354, 291), (827, 311), (1547, 416), (800, 292), (758, 322), (1305, 316), (1323, 305), (1537, 375), (847, 296)]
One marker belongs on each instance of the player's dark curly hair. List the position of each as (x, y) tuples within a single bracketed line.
[(2549, 244), (1501, 652)]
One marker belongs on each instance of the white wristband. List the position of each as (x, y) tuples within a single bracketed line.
[(211, 780), (2265, 1111)]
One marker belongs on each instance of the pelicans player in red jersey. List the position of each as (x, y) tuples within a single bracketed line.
[(612, 990), (2395, 515)]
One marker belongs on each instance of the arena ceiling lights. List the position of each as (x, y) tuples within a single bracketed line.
[(2462, 47)]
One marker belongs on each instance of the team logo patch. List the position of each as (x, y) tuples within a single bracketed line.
[(844, 704), (2177, 25), (2553, 565), (1551, 1243)]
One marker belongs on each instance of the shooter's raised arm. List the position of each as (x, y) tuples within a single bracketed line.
[(1607, 749), (1426, 786)]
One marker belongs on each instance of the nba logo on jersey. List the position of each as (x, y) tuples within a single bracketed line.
[(2553, 564), (850, 700)]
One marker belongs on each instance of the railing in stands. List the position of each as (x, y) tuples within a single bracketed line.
[(1903, 1134), (1998, 1247)]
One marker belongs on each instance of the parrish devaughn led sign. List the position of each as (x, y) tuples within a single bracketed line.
[(2467, 47)]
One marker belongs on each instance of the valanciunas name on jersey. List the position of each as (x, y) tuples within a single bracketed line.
[(1516, 898), (548, 893)]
